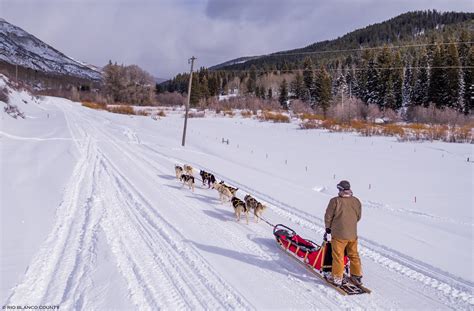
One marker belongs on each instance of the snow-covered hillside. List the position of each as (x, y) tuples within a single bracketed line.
[(18, 47), (92, 216)]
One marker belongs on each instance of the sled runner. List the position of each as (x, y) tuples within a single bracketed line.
[(316, 258)]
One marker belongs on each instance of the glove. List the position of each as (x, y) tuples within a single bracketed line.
[(328, 230)]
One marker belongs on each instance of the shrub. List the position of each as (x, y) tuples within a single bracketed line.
[(246, 113), (310, 124), (311, 116), (358, 126), (329, 124), (275, 117), (122, 109), (142, 113), (94, 105), (170, 99), (229, 113), (298, 106), (392, 130), (438, 132), (161, 113), (463, 134)]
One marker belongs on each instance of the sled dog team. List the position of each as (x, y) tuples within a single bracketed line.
[(226, 193)]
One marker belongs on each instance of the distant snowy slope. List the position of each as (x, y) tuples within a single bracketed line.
[(18, 47)]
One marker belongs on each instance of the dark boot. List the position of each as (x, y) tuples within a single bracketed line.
[(357, 280)]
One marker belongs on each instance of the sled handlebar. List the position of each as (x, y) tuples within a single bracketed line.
[(325, 237)]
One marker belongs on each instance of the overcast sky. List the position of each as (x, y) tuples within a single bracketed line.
[(160, 35)]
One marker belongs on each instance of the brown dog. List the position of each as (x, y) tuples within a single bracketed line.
[(178, 170), (223, 192), (232, 189), (188, 169)]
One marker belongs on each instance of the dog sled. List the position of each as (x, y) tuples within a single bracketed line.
[(316, 258)]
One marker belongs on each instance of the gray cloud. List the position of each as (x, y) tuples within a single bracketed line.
[(161, 35)]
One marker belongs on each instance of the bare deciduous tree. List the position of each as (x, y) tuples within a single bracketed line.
[(128, 84)]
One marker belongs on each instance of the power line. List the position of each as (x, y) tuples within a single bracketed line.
[(353, 68), (366, 49)]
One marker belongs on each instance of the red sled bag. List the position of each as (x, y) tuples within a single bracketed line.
[(318, 257)]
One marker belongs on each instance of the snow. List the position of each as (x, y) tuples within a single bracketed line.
[(92, 216)]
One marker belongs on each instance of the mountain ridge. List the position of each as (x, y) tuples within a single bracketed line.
[(18, 47), (398, 29)]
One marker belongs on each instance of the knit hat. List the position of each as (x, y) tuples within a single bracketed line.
[(343, 185)]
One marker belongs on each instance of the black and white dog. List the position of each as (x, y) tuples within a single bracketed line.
[(189, 180), (257, 207), (239, 208), (207, 177)]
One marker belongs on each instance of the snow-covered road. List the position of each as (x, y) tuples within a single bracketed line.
[(127, 235)]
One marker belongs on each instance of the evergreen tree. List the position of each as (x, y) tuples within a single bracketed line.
[(469, 83), (452, 78), (389, 98), (372, 91), (213, 84), (384, 63), (460, 105), (297, 86), (223, 88), (436, 92), (397, 79), (464, 47), (421, 86), (257, 91), (308, 80), (252, 80), (407, 90), (351, 81), (323, 90), (283, 98), (195, 91), (262, 92), (204, 88), (340, 85), (360, 86)]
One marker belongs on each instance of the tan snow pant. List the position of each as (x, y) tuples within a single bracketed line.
[(338, 247)]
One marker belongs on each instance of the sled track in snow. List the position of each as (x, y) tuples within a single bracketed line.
[(452, 289), (305, 293), (160, 269), (59, 273), (296, 287)]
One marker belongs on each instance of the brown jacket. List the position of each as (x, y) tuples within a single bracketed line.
[(342, 215)]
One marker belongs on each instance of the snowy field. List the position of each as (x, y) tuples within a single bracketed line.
[(93, 218)]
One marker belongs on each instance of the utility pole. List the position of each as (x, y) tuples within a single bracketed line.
[(191, 60)]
